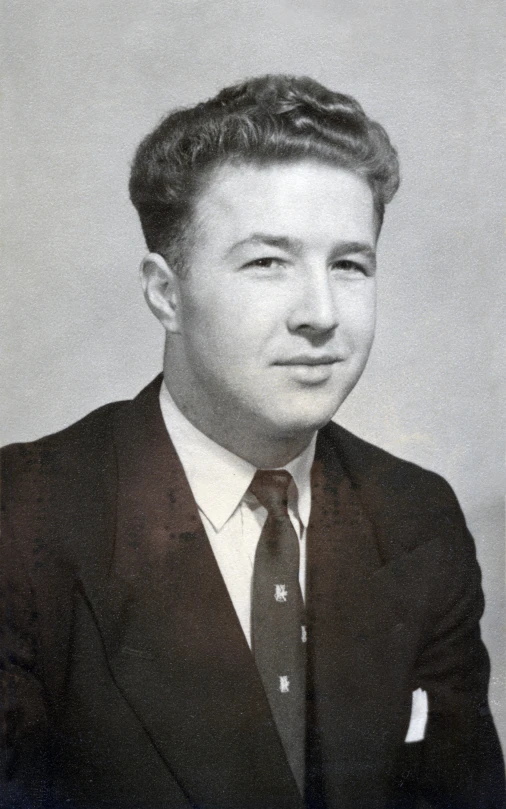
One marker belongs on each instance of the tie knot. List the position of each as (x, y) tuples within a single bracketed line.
[(270, 487)]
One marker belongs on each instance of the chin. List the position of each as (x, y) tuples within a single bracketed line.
[(304, 421)]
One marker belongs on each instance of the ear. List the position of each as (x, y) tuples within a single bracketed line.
[(161, 290)]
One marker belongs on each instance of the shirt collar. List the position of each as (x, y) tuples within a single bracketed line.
[(218, 478)]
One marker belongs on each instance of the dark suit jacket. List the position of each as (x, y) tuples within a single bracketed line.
[(128, 681)]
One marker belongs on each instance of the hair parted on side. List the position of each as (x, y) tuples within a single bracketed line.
[(273, 118)]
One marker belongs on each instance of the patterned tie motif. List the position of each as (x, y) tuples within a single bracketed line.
[(278, 623)]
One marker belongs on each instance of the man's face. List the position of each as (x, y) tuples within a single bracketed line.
[(277, 309)]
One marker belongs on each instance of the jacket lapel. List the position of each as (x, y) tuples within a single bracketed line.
[(355, 633), (174, 643)]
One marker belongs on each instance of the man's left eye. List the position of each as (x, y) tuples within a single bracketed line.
[(349, 266)]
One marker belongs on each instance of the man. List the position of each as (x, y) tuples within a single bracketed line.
[(215, 597)]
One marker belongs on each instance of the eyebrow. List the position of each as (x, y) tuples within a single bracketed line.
[(297, 245), (283, 242)]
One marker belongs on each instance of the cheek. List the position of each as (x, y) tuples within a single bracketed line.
[(217, 331), (237, 316), (359, 316)]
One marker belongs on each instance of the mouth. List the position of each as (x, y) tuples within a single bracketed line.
[(310, 370), (311, 360)]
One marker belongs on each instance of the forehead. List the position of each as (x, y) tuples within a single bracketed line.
[(306, 199)]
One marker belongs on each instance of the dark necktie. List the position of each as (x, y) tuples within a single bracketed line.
[(278, 623)]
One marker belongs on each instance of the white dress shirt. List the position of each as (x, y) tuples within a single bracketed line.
[(231, 515)]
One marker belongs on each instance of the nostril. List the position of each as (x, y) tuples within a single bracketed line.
[(317, 337)]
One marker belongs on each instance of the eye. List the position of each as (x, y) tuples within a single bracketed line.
[(350, 267), (266, 262)]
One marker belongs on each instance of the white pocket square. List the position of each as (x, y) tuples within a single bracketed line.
[(419, 716)]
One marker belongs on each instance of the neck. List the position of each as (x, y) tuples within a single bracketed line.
[(253, 445)]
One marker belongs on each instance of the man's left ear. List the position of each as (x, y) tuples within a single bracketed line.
[(161, 289)]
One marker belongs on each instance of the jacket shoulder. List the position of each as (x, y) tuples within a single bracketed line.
[(70, 470), (407, 504), (369, 465), (29, 469), (87, 429), (89, 434)]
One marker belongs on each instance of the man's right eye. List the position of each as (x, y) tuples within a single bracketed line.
[(266, 262)]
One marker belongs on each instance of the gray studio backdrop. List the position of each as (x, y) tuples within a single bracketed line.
[(85, 81)]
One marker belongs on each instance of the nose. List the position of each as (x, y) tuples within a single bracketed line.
[(315, 303)]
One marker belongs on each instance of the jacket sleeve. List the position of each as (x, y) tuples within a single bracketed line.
[(23, 717), (460, 764)]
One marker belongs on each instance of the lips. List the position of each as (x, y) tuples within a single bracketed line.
[(311, 360)]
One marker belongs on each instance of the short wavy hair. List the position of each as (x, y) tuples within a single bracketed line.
[(273, 118)]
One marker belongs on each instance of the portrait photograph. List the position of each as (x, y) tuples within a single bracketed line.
[(253, 511)]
